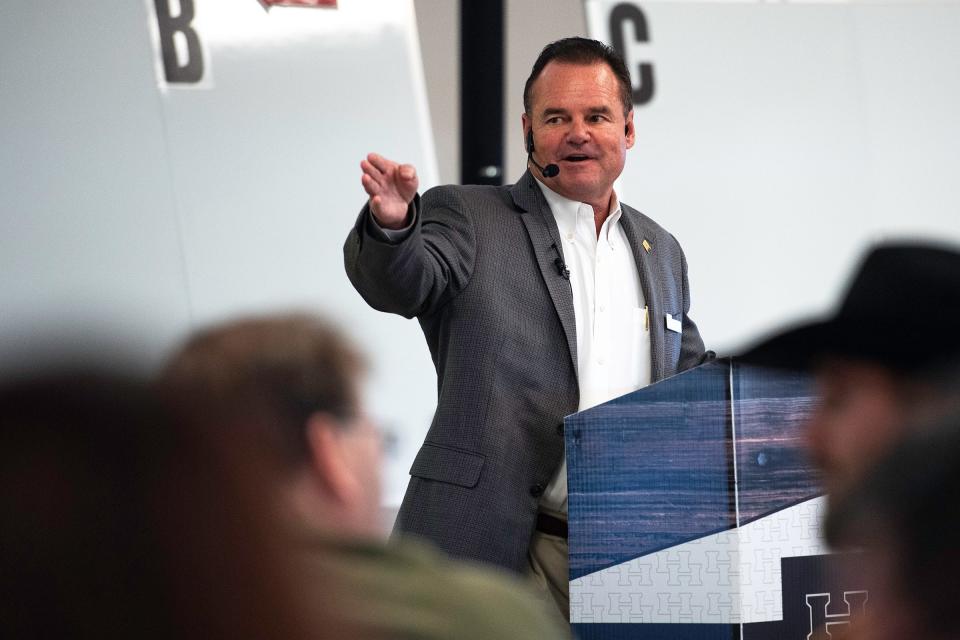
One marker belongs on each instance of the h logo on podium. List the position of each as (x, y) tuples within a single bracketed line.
[(822, 621)]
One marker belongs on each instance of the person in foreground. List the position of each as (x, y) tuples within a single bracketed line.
[(887, 358), (294, 383), (119, 521), (886, 364), (536, 299), (903, 517)]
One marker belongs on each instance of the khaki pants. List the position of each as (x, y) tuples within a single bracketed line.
[(550, 567)]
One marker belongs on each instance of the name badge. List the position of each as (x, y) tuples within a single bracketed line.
[(673, 324)]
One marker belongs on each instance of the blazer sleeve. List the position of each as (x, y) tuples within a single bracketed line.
[(419, 273), (692, 352)]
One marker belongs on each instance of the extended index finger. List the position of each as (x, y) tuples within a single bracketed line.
[(367, 167), (380, 163)]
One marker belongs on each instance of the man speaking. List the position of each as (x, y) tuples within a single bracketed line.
[(537, 300)]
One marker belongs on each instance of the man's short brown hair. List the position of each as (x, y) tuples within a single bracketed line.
[(273, 372), (582, 51)]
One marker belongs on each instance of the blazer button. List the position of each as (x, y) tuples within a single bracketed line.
[(560, 429), (537, 490)]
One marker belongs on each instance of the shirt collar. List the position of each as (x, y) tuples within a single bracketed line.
[(565, 210)]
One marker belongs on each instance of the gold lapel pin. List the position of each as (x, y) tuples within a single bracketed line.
[(646, 245)]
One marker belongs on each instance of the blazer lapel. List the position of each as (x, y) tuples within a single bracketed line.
[(648, 268), (545, 240)]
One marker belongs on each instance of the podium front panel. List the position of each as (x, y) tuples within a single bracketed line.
[(695, 513)]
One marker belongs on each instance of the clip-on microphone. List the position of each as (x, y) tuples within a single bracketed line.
[(562, 269)]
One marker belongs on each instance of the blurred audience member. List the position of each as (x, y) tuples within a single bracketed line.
[(295, 382), (886, 358), (904, 516), (118, 522)]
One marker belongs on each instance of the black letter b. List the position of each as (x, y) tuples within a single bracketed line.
[(169, 25)]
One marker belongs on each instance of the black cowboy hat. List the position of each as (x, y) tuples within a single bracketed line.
[(901, 310)]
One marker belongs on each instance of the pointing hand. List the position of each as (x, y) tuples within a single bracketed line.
[(391, 188)]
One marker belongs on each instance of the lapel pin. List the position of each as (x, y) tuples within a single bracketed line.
[(646, 245)]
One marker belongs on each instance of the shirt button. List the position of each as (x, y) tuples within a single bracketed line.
[(601, 308), (600, 361), (569, 236), (536, 490)]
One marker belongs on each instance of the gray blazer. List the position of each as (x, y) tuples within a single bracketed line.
[(479, 271)]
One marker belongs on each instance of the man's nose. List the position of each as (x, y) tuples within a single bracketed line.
[(578, 133)]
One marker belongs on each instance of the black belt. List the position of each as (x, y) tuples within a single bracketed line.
[(551, 526)]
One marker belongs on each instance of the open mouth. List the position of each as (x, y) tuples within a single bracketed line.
[(577, 157)]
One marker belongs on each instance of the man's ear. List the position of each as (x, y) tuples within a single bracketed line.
[(527, 125), (631, 132), (329, 461)]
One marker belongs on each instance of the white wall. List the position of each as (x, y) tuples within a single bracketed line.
[(783, 138), (438, 26), (133, 211), (89, 240)]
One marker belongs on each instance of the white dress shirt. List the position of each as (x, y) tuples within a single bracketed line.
[(613, 330)]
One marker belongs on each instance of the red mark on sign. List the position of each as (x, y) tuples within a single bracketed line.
[(299, 3)]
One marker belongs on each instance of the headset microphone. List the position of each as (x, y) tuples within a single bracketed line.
[(549, 171)]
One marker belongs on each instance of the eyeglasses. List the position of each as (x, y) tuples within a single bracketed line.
[(384, 430)]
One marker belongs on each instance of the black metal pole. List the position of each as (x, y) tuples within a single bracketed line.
[(481, 91)]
